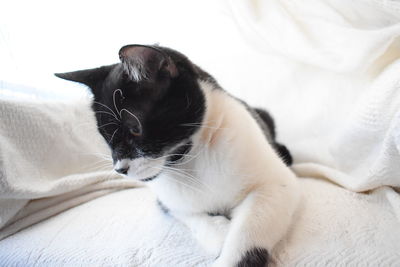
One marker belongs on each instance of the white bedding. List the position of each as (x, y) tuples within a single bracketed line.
[(334, 227), (329, 73), (51, 154)]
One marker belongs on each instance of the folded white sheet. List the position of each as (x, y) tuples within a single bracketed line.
[(51, 159), (329, 73), (126, 228), (339, 105)]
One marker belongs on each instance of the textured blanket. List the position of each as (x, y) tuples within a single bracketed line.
[(339, 101), (51, 159), (328, 71), (349, 70)]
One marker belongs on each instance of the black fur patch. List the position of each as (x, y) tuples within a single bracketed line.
[(179, 152), (205, 76), (256, 257), (284, 154), (267, 124), (268, 120), (143, 118)]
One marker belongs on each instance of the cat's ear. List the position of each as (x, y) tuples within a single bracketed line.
[(146, 62), (89, 77)]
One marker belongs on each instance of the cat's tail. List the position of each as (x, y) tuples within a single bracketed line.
[(281, 149)]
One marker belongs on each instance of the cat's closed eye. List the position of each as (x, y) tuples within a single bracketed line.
[(135, 131)]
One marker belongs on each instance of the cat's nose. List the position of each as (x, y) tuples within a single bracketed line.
[(122, 170), (122, 166)]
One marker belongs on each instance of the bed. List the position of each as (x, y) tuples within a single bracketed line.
[(328, 71)]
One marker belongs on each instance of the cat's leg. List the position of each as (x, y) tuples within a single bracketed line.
[(284, 153), (257, 224), (210, 231), (269, 131)]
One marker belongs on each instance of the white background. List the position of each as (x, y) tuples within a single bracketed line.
[(38, 38)]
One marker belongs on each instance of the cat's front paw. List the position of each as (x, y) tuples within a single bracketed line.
[(212, 238), (256, 257)]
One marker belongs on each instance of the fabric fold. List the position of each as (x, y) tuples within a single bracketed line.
[(52, 159)]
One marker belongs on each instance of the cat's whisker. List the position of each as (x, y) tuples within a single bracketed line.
[(193, 178), (100, 160), (133, 115), (108, 113), (177, 180), (96, 154), (199, 186), (112, 136), (183, 184), (98, 165), (106, 124), (109, 159), (218, 172), (99, 156), (190, 177), (98, 103), (180, 170), (201, 126), (115, 103), (198, 123), (109, 174), (208, 122), (103, 159), (190, 159), (169, 155)]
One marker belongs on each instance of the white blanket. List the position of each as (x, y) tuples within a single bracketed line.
[(329, 73), (50, 152), (338, 109), (346, 62)]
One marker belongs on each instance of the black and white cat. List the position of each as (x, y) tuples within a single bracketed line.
[(212, 161)]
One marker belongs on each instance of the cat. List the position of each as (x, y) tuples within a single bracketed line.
[(212, 160)]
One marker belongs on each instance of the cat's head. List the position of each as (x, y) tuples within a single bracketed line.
[(147, 107)]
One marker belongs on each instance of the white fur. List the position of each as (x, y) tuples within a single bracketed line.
[(232, 168), (136, 70)]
